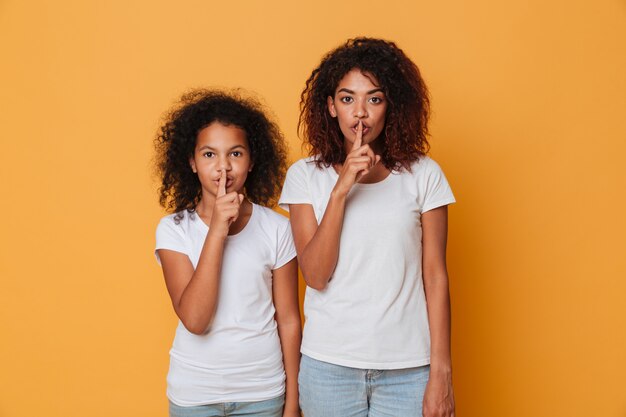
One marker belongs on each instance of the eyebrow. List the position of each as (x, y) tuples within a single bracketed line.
[(212, 149), (346, 90)]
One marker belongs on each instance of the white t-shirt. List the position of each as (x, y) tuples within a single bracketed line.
[(372, 314), (239, 358)]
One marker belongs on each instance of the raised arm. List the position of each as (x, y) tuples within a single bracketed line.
[(194, 292), (318, 246), (439, 395)]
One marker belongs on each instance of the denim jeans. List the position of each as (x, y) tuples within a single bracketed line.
[(267, 408), (328, 390)]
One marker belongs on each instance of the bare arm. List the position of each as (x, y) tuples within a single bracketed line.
[(194, 292), (285, 294), (318, 246), (439, 396)]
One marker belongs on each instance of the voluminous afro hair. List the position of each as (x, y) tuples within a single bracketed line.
[(176, 141), (406, 123)]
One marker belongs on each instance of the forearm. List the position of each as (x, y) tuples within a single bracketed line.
[(438, 305), (439, 394), (197, 304), (290, 337), (319, 258)]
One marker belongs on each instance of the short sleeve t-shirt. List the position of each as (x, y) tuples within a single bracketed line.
[(239, 358), (372, 314)]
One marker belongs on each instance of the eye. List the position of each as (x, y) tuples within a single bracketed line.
[(346, 99), (208, 154), (376, 100), (236, 154)]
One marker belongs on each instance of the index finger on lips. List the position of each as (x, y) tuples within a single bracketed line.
[(221, 186), (359, 136)]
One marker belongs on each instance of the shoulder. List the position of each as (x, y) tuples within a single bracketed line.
[(268, 216), (174, 232), (304, 165), (168, 222), (432, 185), (424, 166), (306, 170), (176, 223), (272, 228), (300, 176)]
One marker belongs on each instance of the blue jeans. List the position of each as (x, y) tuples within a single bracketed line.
[(267, 408), (328, 390)]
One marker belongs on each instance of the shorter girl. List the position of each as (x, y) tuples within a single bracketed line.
[(229, 264)]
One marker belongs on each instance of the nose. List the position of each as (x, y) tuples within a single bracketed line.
[(359, 110), (224, 164)]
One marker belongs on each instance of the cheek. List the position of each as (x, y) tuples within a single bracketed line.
[(381, 112), (344, 121), (244, 167), (381, 120), (204, 166)]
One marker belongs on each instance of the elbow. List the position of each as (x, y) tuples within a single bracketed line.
[(196, 327), (198, 331), (316, 281), (316, 285), (195, 320), (314, 275)]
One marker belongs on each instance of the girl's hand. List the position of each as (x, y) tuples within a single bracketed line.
[(358, 163), (439, 396), (225, 210)]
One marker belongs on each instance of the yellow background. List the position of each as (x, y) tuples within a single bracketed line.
[(529, 125)]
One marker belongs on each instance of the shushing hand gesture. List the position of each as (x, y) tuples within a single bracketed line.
[(226, 208), (357, 164)]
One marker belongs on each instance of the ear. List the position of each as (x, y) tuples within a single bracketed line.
[(192, 163), (331, 106), (251, 166)]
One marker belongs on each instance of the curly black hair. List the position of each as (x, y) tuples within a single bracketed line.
[(406, 120), (176, 140)]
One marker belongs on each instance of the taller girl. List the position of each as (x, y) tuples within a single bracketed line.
[(369, 219)]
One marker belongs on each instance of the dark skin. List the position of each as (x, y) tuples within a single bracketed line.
[(318, 245), (222, 161)]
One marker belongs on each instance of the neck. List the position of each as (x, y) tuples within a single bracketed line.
[(378, 173), (204, 209)]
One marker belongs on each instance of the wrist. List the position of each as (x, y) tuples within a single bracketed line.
[(440, 370), (338, 193), (217, 234)]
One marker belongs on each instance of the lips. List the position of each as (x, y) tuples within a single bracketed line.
[(365, 129), (229, 182)]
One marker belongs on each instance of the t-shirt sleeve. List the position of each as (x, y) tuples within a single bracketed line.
[(170, 236), (437, 191), (296, 187), (285, 248)]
